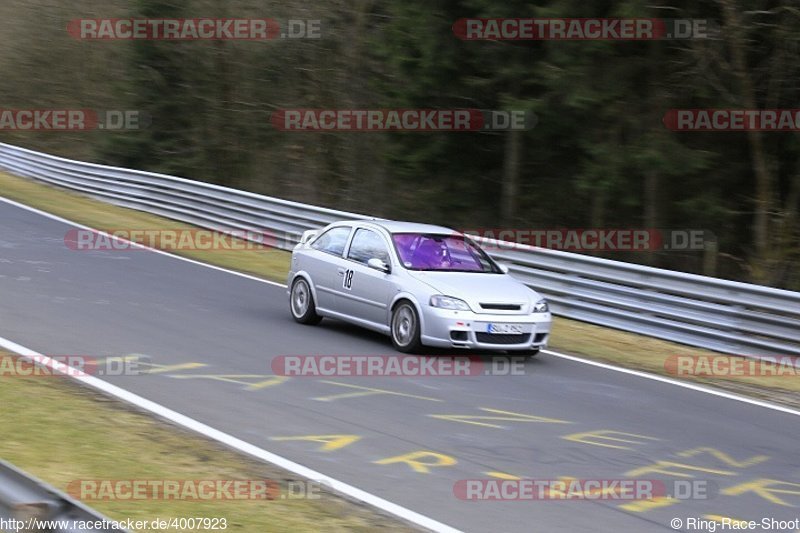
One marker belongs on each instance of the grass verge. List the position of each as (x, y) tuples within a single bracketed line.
[(61, 432), (592, 342)]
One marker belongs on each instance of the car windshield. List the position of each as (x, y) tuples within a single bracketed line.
[(436, 252)]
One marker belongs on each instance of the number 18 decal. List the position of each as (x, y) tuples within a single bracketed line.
[(348, 279)]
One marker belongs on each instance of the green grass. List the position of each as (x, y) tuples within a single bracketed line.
[(62, 432), (592, 342)]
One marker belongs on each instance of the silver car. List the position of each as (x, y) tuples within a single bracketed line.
[(420, 284)]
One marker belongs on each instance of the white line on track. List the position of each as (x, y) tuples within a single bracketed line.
[(231, 441), (678, 383), (645, 375), (208, 431)]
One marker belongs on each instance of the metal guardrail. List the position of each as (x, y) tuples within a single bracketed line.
[(726, 316), (28, 505)]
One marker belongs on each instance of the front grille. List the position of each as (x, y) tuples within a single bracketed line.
[(502, 338), (501, 307)]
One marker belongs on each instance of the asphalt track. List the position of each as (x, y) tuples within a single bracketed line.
[(212, 336)]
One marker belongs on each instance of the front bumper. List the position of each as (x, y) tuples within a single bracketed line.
[(465, 329)]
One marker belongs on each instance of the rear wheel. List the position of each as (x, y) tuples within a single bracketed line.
[(405, 328), (301, 303)]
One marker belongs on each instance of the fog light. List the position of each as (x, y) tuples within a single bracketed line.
[(460, 336)]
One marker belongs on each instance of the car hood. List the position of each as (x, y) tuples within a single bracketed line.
[(477, 288)]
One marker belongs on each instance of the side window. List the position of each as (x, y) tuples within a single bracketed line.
[(332, 241), (366, 245)]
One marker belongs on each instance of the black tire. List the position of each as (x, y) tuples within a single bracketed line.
[(301, 303), (404, 328)]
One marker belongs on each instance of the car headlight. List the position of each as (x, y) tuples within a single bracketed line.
[(448, 302), (541, 307)]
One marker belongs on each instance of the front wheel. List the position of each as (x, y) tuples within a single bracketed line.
[(405, 328), (301, 303)]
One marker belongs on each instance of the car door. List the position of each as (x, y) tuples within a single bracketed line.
[(323, 262), (365, 292)]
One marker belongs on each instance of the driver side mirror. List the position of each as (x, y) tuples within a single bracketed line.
[(377, 264), (308, 235), (503, 267)]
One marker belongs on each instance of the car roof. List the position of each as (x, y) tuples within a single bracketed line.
[(396, 226)]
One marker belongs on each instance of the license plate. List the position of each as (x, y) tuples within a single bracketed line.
[(504, 328)]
